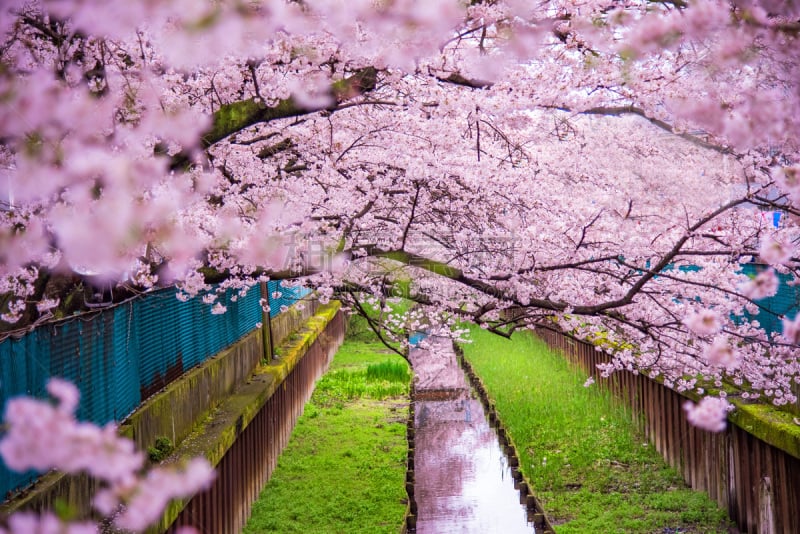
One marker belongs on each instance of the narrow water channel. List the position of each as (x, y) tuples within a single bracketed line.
[(463, 482)]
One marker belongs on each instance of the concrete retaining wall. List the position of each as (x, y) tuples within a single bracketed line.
[(206, 410), (247, 433)]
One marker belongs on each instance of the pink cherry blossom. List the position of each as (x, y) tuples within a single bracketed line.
[(764, 285), (704, 322), (27, 522), (788, 179), (721, 354), (66, 393), (791, 329), (775, 251), (42, 436), (161, 485), (711, 413)]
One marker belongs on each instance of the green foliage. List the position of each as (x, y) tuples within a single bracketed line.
[(344, 467), (64, 510), (580, 449), (358, 329), (162, 449), (389, 371), (389, 378)]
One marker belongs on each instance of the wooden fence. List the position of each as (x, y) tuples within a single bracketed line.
[(757, 483), (247, 465)]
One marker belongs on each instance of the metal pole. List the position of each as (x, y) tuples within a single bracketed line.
[(266, 324)]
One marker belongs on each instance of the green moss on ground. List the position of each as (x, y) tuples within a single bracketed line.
[(344, 467), (589, 466)]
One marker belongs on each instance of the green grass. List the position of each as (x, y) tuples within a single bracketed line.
[(356, 354), (344, 467), (388, 371), (580, 449)]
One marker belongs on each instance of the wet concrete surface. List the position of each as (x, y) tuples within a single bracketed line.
[(463, 482)]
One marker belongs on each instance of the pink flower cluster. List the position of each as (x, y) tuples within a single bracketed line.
[(764, 285), (31, 523), (788, 178), (775, 250), (44, 436), (704, 322), (721, 354), (151, 494), (711, 413), (791, 330)]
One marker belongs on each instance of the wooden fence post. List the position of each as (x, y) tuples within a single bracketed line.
[(766, 520), (266, 324)]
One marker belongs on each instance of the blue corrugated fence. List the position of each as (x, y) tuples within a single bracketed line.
[(786, 302), (124, 354)]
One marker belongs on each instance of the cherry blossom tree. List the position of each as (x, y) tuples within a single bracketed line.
[(593, 166)]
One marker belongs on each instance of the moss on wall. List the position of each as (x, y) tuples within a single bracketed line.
[(768, 424)]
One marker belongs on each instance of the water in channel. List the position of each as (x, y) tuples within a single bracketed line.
[(463, 482)]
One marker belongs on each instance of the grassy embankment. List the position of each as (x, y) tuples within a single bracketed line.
[(344, 467), (588, 464)]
